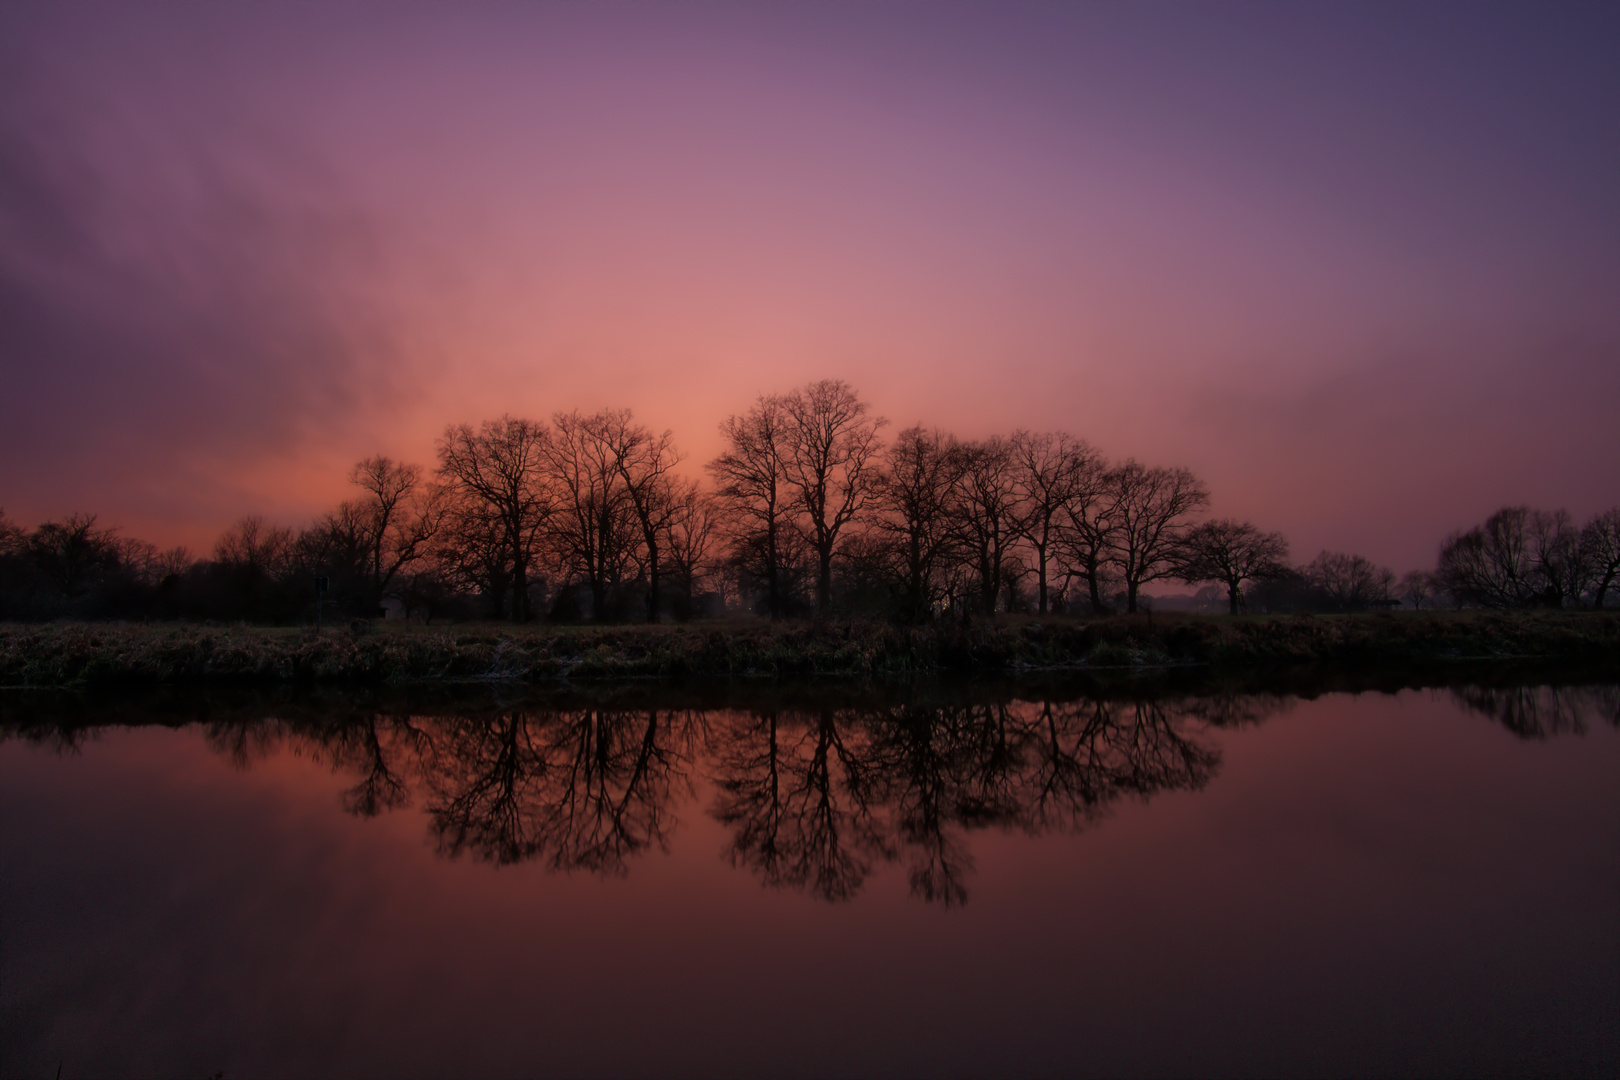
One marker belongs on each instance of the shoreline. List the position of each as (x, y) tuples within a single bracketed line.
[(68, 655)]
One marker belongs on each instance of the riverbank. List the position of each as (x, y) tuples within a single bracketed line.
[(81, 654)]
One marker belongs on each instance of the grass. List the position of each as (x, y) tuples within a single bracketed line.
[(82, 654)]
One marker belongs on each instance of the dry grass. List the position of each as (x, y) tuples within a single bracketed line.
[(76, 654)]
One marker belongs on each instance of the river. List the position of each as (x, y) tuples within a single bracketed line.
[(1009, 879)]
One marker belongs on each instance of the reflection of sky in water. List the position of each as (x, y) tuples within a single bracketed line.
[(1364, 882)]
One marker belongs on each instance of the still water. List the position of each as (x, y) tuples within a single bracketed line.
[(1009, 880)]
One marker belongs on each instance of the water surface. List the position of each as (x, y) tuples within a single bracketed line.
[(948, 881)]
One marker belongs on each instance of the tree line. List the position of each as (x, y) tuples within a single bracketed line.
[(808, 510)]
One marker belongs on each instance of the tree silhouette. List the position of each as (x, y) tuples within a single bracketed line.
[(500, 465), (829, 452), (1054, 469), (1491, 564), (254, 557), (644, 461), (1418, 587), (751, 477), (987, 516), (1346, 582), (1232, 553), (597, 529), (1086, 529), (805, 501), (916, 515), (1558, 556), (1600, 540), (72, 552), (398, 519), (1150, 511), (689, 535)]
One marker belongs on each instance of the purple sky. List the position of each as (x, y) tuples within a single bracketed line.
[(1359, 266)]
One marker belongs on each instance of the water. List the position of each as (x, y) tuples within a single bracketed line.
[(963, 880)]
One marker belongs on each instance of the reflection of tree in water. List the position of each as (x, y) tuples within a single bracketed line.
[(816, 800), (1086, 755), (585, 789), (941, 772), (377, 749), (242, 742), (795, 794), (1539, 712), (1231, 709)]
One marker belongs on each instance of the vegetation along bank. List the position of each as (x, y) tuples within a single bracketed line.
[(80, 654)]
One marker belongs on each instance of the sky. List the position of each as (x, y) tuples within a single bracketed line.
[(1358, 266)]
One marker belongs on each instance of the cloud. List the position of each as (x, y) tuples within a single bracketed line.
[(173, 305)]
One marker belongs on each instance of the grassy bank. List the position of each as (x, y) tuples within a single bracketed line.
[(64, 654)]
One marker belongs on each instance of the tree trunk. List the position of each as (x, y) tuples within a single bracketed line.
[(495, 593), (773, 573), (520, 591), (1097, 605), (652, 582)]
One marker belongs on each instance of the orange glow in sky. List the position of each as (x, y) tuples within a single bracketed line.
[(1355, 267)]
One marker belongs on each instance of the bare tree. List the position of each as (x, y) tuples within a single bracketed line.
[(253, 559), (1559, 557), (501, 465), (72, 552), (597, 531), (1053, 470), (751, 481), (830, 448), (470, 552), (1087, 522), (365, 542), (11, 535), (1349, 582), (335, 547), (1600, 540), (253, 544), (1232, 553), (643, 462), (690, 530), (1417, 587), (172, 562), (987, 514), (398, 518), (1491, 564), (1149, 512), (917, 515), (140, 562)]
